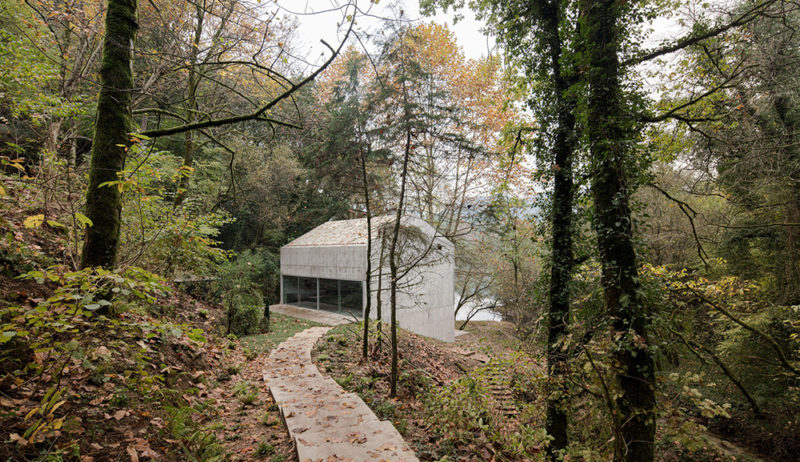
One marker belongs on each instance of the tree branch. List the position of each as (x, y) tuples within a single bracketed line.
[(694, 38), (258, 114)]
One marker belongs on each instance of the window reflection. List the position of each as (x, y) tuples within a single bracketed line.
[(308, 293), (290, 293), (329, 294), (325, 294)]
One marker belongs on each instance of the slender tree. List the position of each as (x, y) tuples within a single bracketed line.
[(368, 306)]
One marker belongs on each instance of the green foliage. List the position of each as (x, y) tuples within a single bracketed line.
[(28, 77), (242, 285), (233, 369), (199, 443), (156, 235), (265, 449), (466, 410), (250, 353), (267, 420), (43, 339), (254, 271), (245, 312), (51, 327), (246, 392)]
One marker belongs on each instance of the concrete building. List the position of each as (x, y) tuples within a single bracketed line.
[(326, 268)]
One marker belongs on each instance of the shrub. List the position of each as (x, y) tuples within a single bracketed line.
[(265, 449), (245, 312), (252, 271)]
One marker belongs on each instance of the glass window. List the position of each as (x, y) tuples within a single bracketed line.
[(329, 294), (333, 295), (351, 297), (308, 293), (290, 293)]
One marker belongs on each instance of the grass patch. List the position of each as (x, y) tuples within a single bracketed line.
[(246, 392), (281, 328), (265, 449)]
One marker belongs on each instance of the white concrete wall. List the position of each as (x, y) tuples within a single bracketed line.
[(425, 297), (348, 262)]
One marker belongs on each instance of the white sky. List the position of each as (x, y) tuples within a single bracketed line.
[(323, 19), (318, 19)]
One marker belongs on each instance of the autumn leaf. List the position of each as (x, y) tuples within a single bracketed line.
[(83, 219), (33, 221), (132, 453)]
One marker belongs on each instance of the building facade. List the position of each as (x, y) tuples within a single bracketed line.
[(326, 269)]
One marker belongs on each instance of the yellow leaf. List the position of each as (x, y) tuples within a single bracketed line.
[(3, 191), (30, 414), (58, 405), (33, 221)]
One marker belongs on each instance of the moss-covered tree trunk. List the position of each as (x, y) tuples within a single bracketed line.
[(610, 132), (111, 135), (564, 141)]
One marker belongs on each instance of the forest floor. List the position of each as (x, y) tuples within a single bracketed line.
[(435, 406), (139, 389), (425, 364)]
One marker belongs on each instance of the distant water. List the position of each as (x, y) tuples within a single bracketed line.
[(485, 315)]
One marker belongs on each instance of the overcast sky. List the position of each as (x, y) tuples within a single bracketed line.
[(318, 19), (323, 19)]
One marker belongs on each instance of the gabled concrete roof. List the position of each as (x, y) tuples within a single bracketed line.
[(352, 232)]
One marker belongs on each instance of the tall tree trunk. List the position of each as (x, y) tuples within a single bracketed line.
[(564, 141), (609, 135), (111, 135), (191, 106), (365, 345), (393, 263)]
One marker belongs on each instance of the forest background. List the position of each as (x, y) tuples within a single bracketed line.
[(642, 238)]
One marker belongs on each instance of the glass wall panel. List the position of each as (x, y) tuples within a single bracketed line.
[(290, 290), (329, 294), (308, 293), (351, 297)]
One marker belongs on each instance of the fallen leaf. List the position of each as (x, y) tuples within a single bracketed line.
[(14, 437), (33, 221), (132, 453)]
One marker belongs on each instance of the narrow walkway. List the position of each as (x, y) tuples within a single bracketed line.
[(327, 423), (329, 318)]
